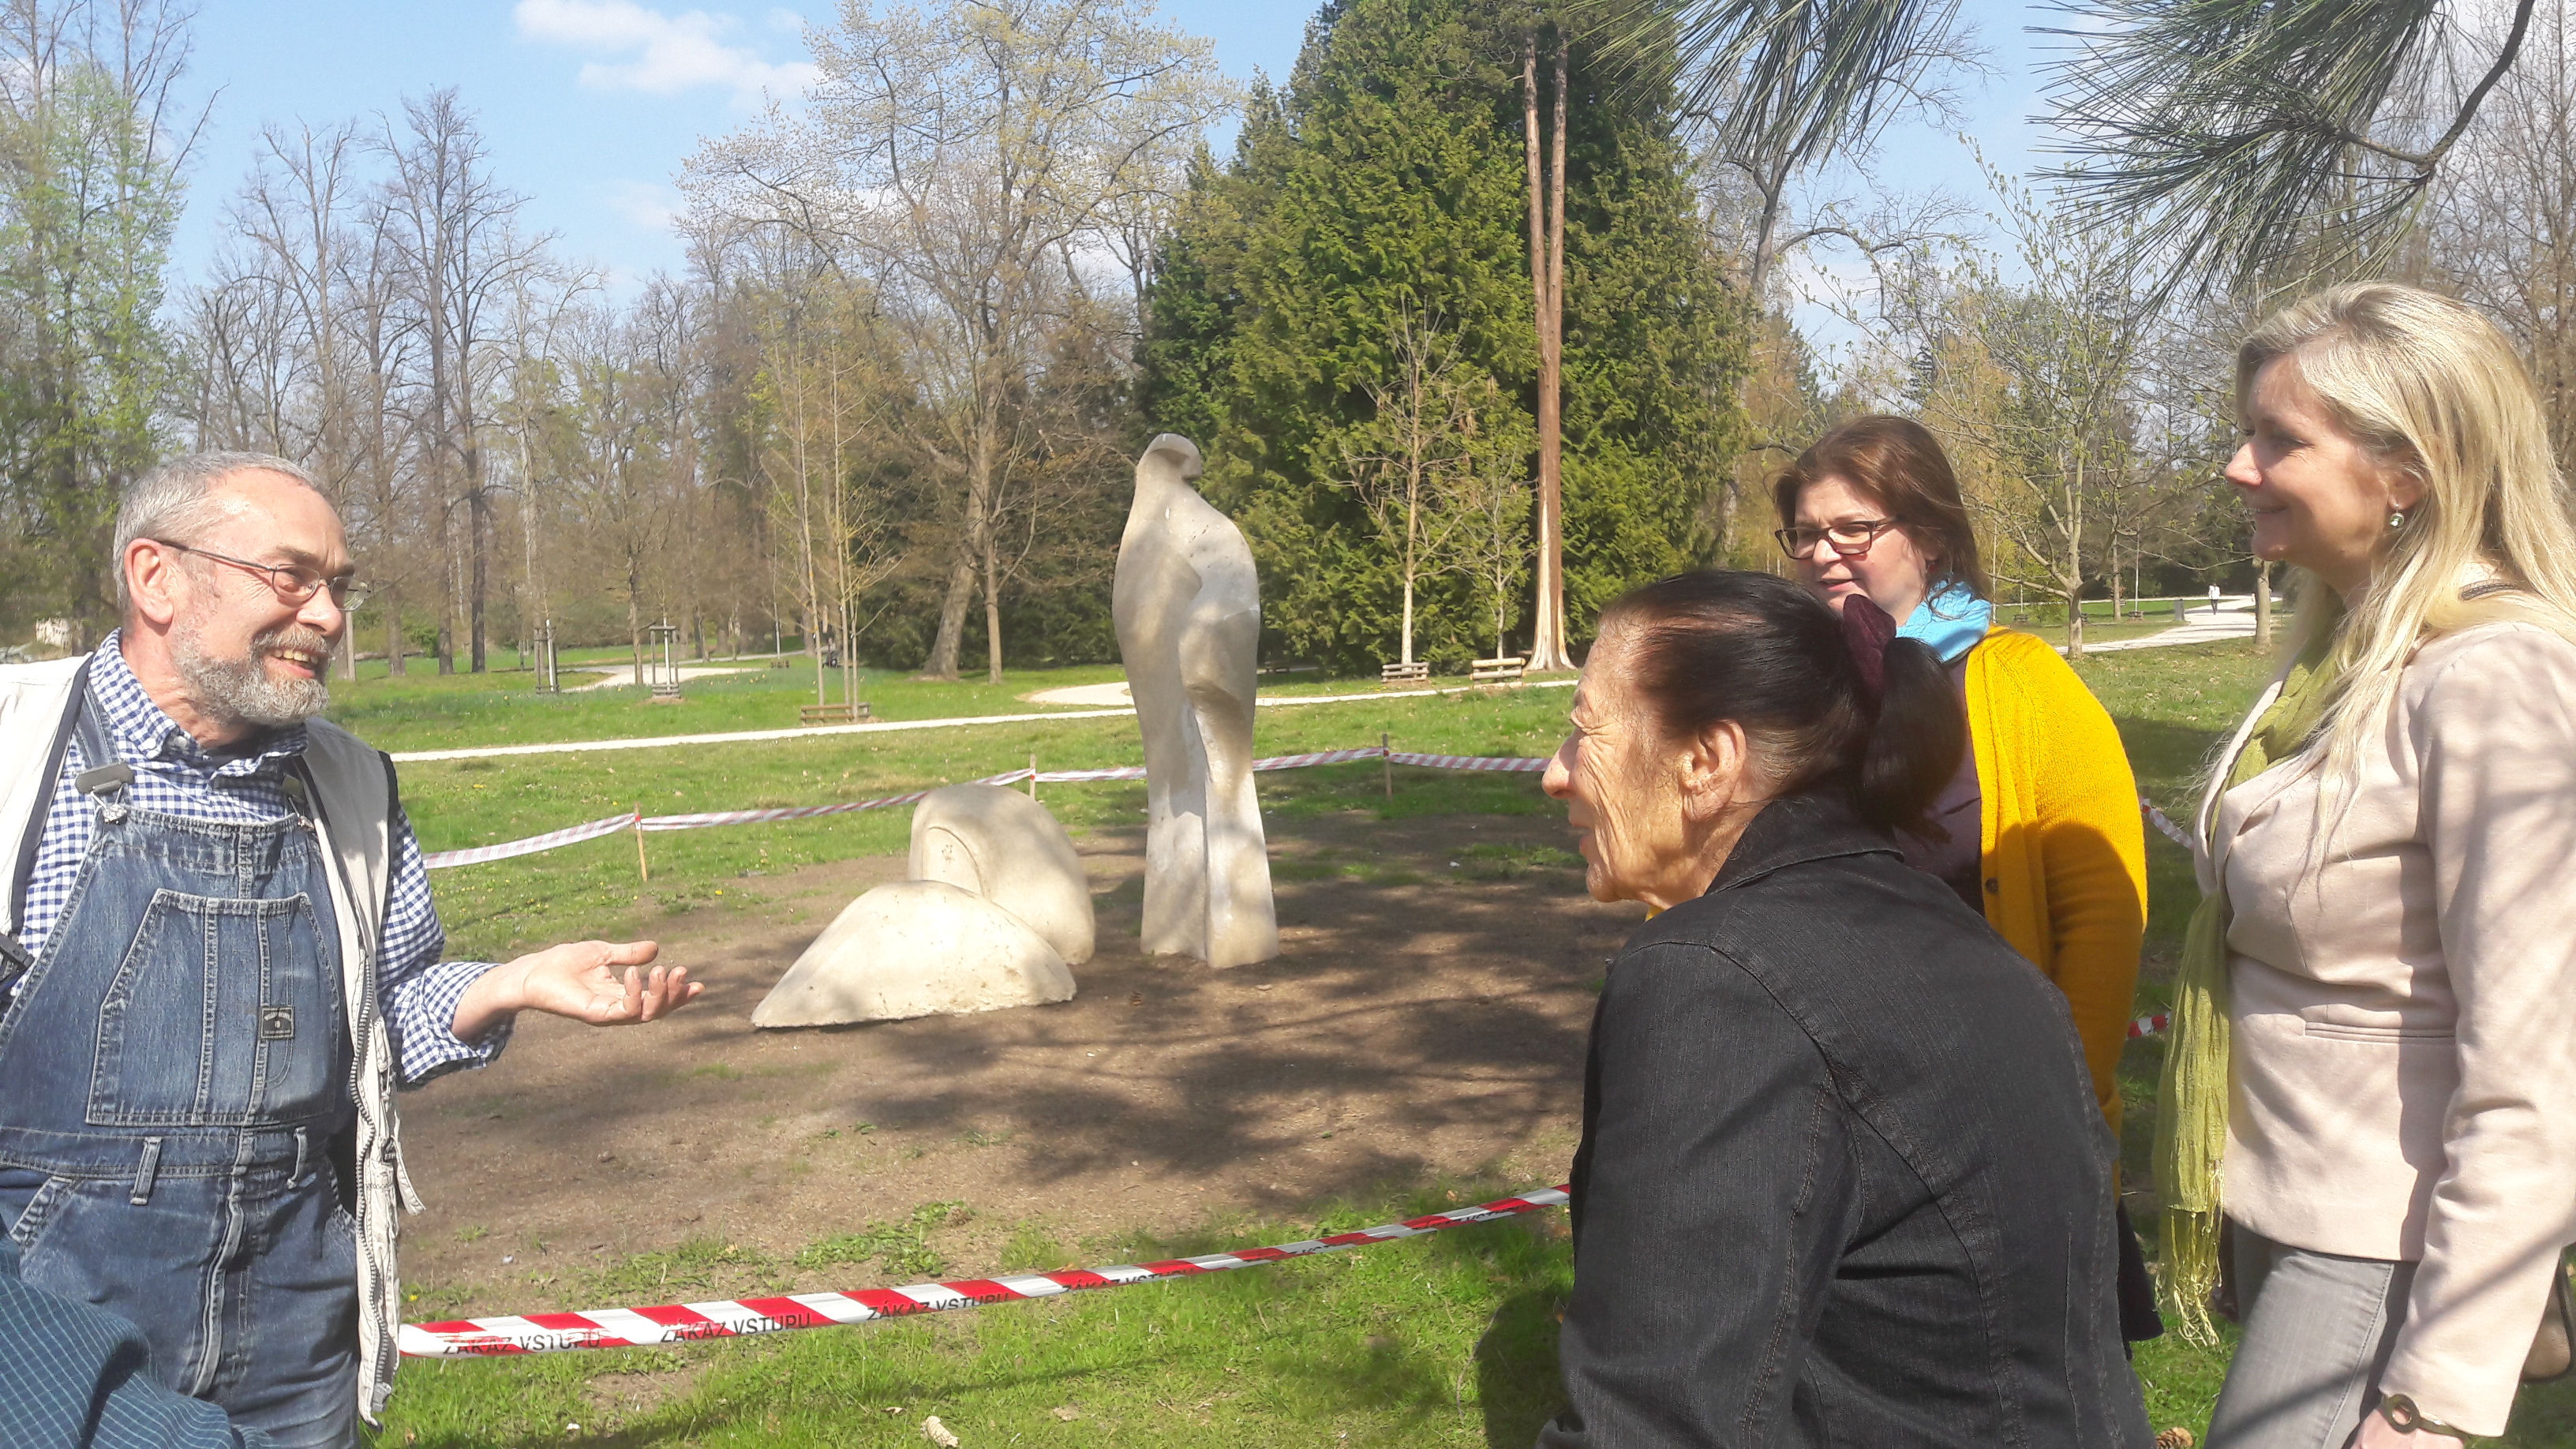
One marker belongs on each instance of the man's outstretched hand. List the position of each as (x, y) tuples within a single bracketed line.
[(604, 983)]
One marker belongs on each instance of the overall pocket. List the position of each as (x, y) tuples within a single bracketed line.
[(222, 1014)]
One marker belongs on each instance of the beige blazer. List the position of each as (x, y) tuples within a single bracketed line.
[(2404, 998)]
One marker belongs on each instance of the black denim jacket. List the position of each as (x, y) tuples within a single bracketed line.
[(1842, 1179)]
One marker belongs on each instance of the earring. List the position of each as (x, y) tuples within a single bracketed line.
[(2397, 519)]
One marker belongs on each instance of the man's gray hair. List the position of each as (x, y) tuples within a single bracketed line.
[(174, 501)]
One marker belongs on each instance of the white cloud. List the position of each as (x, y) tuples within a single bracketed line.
[(648, 204), (659, 53)]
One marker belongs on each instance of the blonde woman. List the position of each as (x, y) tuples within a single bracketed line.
[(2372, 1076)]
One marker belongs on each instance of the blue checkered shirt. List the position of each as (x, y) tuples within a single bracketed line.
[(175, 776), (80, 1377)]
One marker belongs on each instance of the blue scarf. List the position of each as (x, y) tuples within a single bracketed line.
[(1951, 621)]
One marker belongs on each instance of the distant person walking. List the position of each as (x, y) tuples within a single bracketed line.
[(2369, 1075), (221, 958), (2213, 601)]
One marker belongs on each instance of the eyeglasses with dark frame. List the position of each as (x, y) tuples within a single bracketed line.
[(1851, 538), (292, 583)]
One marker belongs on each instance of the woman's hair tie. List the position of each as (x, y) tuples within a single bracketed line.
[(1867, 630)]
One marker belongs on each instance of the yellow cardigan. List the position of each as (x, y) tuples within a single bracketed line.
[(2065, 851)]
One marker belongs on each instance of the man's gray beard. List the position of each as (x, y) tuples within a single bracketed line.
[(239, 691)]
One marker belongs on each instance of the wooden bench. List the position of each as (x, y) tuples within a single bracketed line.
[(815, 714), (1497, 671), (1415, 673)]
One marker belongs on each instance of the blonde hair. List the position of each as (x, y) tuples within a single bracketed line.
[(2433, 390)]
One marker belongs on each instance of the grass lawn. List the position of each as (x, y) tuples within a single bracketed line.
[(426, 711), (1441, 1341), (593, 888)]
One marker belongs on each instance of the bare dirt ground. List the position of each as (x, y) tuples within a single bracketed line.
[(1426, 1017)]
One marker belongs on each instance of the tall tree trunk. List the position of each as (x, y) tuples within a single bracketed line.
[(1411, 502), (2071, 577), (448, 602), (2262, 604), (942, 663), (394, 666), (992, 611), (634, 619), (983, 522), (1547, 283), (478, 532)]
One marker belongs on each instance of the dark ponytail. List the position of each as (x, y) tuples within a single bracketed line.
[(1827, 702)]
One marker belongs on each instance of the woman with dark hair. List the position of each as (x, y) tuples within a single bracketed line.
[(2038, 829), (1842, 1180)]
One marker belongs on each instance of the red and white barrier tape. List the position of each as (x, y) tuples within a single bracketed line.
[(1465, 762), (735, 1318), (2164, 824), (569, 835), (804, 812), (2149, 1025)]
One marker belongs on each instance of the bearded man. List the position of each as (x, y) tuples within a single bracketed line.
[(220, 959)]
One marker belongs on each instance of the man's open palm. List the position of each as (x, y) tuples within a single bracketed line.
[(604, 983)]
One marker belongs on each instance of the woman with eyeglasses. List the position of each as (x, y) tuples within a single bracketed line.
[(2039, 831)]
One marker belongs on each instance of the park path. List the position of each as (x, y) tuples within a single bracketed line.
[(1112, 693), (2234, 620), (622, 676)]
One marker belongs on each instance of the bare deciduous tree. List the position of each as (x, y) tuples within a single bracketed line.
[(454, 227), (966, 159)]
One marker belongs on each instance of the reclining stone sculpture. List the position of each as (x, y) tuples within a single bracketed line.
[(996, 912)]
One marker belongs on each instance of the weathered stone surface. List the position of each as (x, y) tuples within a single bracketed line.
[(918, 948), (1005, 847), (1187, 603)]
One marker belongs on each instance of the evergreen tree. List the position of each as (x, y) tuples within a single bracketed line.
[(1387, 181)]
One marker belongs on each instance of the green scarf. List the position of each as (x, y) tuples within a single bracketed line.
[(2191, 1101)]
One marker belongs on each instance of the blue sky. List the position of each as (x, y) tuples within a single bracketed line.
[(590, 106)]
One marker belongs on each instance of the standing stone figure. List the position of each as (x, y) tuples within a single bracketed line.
[(1188, 607)]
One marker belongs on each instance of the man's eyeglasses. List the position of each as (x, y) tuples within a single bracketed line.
[(294, 583), (1851, 538)]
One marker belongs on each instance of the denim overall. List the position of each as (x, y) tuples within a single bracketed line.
[(173, 1070)]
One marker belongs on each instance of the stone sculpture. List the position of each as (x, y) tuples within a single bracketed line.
[(1187, 603), (1005, 847), (996, 912), (917, 948)]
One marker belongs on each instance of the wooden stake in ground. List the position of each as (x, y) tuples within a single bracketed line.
[(643, 867), (1033, 777), (1385, 765)]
